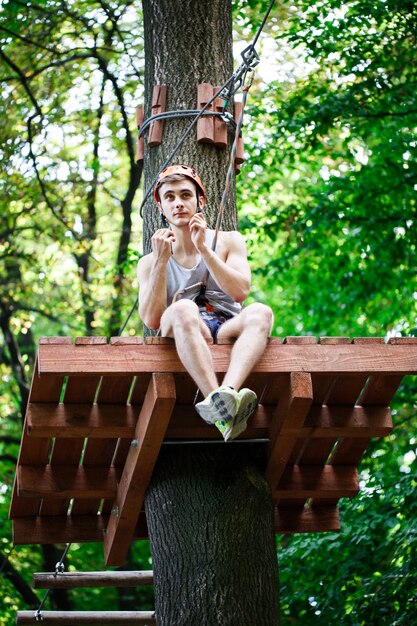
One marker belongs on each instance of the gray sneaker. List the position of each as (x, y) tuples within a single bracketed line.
[(220, 405), (247, 402)]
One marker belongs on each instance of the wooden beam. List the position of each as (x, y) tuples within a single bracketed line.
[(311, 481), (66, 481), (81, 420), (286, 358), (58, 529), (306, 520), (346, 421), (82, 580), (150, 432), (106, 421), (67, 529), (291, 412), (84, 618)]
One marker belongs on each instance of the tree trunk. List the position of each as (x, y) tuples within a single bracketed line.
[(210, 520), (186, 43), (209, 508)]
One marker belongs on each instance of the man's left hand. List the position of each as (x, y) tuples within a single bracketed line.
[(198, 227)]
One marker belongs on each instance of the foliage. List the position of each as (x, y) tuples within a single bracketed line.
[(327, 205)]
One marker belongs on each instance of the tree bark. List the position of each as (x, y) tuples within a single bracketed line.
[(186, 43), (209, 508), (210, 520)]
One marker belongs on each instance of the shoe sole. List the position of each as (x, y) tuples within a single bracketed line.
[(217, 409), (244, 412)]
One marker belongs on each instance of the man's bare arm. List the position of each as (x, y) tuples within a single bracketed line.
[(151, 274), (233, 274)]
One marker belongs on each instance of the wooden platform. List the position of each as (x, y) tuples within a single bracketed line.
[(99, 413)]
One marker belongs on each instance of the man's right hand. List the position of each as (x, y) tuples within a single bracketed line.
[(161, 242)]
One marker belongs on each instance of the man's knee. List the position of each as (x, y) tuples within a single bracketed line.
[(261, 316), (184, 314)]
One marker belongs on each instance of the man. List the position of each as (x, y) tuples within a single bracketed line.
[(171, 298)]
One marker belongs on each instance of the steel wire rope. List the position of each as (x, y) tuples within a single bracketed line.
[(59, 568)]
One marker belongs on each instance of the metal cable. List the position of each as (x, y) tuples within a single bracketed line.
[(167, 115), (59, 568)]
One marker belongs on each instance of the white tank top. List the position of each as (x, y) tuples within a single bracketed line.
[(179, 278)]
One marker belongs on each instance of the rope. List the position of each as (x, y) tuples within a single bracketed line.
[(167, 115), (59, 568)]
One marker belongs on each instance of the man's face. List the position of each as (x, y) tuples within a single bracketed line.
[(178, 201)]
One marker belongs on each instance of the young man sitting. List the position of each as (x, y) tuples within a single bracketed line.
[(170, 279)]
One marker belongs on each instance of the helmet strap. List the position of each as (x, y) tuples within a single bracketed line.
[(164, 221)]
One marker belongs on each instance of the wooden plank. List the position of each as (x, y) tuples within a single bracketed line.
[(45, 389), (321, 422), (77, 390), (291, 412), (84, 580), (310, 481), (140, 387), (60, 482), (186, 424), (185, 389), (82, 389), (115, 390), (380, 390), (339, 359), (152, 425), (306, 520), (124, 341), (346, 421), (81, 420), (58, 529), (346, 389), (83, 618)]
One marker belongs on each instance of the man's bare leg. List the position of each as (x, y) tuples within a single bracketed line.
[(252, 329), (182, 322)]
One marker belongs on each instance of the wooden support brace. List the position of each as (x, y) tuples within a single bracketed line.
[(159, 102), (140, 146), (240, 151), (84, 618), (205, 125), (291, 412), (84, 580), (220, 127), (151, 428)]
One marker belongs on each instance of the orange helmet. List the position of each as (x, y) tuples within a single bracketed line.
[(179, 169)]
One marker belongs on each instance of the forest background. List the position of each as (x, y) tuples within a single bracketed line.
[(327, 203)]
